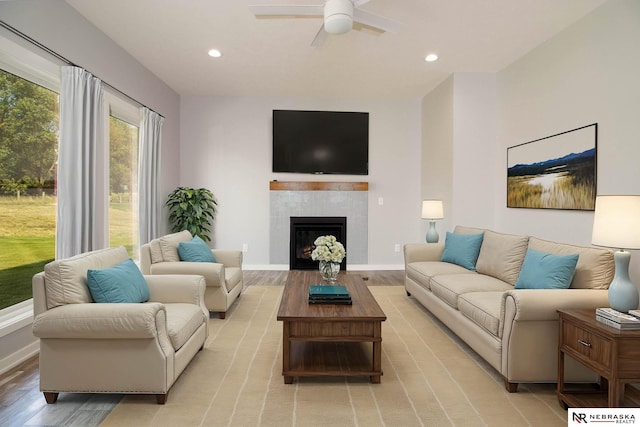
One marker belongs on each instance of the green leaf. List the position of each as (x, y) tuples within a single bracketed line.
[(192, 209)]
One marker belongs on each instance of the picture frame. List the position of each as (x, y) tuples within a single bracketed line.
[(555, 172)]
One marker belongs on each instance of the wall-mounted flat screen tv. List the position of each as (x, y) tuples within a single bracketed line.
[(321, 142)]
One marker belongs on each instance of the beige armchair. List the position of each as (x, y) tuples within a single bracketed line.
[(138, 348), (223, 278)]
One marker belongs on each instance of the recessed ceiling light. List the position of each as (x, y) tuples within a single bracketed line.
[(215, 53), (431, 57)]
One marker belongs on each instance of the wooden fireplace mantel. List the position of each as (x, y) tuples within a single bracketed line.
[(317, 186)]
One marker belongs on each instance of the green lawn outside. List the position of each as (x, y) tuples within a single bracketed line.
[(27, 240)]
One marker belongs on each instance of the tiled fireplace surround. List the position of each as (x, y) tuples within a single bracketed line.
[(348, 199)]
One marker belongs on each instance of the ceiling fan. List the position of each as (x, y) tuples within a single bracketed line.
[(339, 17)]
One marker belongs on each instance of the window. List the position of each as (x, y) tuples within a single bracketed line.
[(28, 161), (123, 185), (29, 127)]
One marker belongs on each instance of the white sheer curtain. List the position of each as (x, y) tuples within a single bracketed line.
[(149, 207), (81, 221)]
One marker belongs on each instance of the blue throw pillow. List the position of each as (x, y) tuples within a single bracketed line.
[(121, 283), (195, 251), (541, 270), (462, 249)]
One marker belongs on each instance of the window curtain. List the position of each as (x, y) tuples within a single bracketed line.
[(149, 207), (81, 220)]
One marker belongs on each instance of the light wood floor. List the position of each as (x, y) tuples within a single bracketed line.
[(22, 404)]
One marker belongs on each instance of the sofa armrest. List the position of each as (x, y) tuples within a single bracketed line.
[(542, 304), (173, 288), (101, 321), (415, 252), (213, 272), (530, 331), (228, 257)]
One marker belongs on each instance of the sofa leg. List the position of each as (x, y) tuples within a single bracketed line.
[(50, 397), (161, 398), (511, 387), (221, 314)]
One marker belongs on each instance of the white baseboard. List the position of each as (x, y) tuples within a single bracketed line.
[(350, 267)]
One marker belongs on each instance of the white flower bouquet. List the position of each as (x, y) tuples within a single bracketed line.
[(328, 249)]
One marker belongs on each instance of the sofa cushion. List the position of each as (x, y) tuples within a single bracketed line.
[(501, 255), (483, 308), (182, 321), (195, 251), (122, 283), (462, 249), (449, 287), (421, 272), (165, 248), (155, 251), (66, 279), (595, 268), (461, 229), (541, 270)]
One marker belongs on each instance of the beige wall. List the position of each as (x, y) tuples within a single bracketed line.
[(586, 74), (226, 146)]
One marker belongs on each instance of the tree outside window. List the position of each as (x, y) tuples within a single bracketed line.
[(28, 160)]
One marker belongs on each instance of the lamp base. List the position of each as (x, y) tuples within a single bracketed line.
[(623, 294), (432, 234)]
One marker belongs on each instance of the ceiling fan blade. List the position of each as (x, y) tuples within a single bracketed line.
[(320, 37), (372, 20), (286, 10)]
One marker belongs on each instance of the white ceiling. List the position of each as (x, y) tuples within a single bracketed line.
[(273, 57)]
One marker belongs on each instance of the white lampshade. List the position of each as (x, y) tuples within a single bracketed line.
[(616, 222), (432, 209)]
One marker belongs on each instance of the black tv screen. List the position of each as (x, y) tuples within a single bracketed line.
[(321, 142)]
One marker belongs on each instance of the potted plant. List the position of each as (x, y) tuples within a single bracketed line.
[(192, 209)]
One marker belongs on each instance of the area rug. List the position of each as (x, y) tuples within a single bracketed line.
[(430, 379)]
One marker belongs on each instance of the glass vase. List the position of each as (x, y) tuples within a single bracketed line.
[(329, 271)]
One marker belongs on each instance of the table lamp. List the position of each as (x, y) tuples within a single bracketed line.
[(432, 210), (616, 224)]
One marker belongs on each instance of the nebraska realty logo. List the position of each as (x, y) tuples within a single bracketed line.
[(595, 416)]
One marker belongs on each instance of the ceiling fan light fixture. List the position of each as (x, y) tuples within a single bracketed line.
[(338, 16), (338, 24)]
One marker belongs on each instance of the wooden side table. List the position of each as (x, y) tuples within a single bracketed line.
[(612, 353)]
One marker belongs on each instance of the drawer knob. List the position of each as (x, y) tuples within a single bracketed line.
[(584, 343)]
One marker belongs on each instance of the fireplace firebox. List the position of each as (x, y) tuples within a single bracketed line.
[(304, 230)]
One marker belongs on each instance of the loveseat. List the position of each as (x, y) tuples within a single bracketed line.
[(515, 330), (114, 347), (223, 277)]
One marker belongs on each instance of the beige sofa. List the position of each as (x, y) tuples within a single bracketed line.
[(514, 330), (138, 348), (223, 278)]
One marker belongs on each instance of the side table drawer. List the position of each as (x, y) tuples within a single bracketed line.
[(594, 347)]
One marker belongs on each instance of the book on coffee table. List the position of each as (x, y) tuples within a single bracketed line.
[(325, 294), (328, 291), (331, 301)]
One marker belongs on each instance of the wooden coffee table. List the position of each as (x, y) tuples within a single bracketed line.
[(328, 339)]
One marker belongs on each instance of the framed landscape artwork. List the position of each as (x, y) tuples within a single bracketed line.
[(556, 172)]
